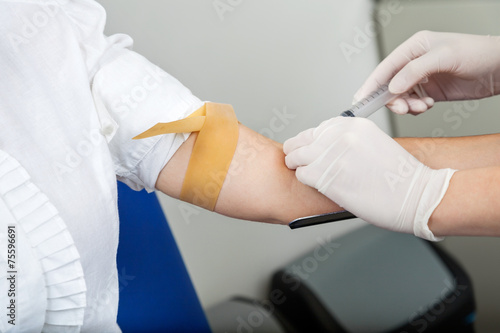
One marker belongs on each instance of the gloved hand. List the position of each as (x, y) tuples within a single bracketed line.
[(451, 66), (357, 165)]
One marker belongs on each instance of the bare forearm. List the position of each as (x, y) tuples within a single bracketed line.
[(258, 186), (469, 206), (457, 153)]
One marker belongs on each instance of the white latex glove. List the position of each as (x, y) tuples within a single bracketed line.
[(453, 67), (357, 165)]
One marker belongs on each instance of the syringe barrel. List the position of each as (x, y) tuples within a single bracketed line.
[(371, 103)]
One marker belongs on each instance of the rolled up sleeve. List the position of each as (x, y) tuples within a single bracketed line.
[(137, 95), (131, 95)]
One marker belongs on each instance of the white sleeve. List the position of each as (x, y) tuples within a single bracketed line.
[(135, 95)]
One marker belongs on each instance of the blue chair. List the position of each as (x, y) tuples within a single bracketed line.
[(156, 293)]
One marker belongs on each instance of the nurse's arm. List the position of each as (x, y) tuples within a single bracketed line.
[(258, 186), (470, 205), (458, 153)]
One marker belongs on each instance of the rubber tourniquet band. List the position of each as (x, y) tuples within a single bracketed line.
[(212, 152)]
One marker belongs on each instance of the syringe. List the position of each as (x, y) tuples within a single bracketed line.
[(371, 103), (363, 108)]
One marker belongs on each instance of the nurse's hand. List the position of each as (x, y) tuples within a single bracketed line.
[(449, 66), (357, 165)]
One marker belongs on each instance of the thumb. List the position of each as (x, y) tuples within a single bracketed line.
[(415, 72)]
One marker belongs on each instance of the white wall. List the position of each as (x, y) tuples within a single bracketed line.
[(264, 57)]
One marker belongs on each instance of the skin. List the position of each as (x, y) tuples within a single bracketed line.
[(454, 67), (258, 186), (470, 205)]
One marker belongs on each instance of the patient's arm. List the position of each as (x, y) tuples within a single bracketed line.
[(258, 186)]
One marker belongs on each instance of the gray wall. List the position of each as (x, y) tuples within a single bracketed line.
[(264, 57), (477, 254), (268, 56)]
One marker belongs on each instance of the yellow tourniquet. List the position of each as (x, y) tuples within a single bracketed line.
[(212, 152)]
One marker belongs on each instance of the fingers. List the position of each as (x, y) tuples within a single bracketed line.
[(308, 136), (302, 156), (306, 149), (304, 176), (411, 49), (301, 139), (415, 72), (300, 150), (410, 105)]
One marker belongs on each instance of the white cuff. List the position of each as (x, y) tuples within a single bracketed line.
[(431, 197)]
